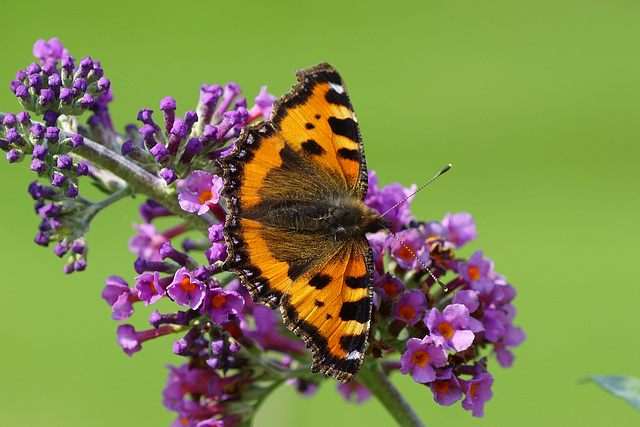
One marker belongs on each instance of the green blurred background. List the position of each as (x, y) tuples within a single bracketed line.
[(536, 104)]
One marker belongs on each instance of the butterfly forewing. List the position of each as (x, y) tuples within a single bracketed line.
[(316, 118)]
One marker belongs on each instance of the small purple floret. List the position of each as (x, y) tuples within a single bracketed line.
[(38, 166), (160, 152), (50, 117), (64, 162), (168, 175), (52, 134), (86, 101), (13, 155), (58, 179), (9, 120), (77, 140)]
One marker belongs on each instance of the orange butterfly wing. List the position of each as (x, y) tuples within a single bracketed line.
[(296, 230)]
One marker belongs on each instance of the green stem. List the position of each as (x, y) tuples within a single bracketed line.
[(372, 377), (140, 180)]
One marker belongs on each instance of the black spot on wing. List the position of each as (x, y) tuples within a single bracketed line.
[(345, 127), (356, 282), (337, 98), (318, 303), (309, 125), (348, 154), (360, 310), (312, 147), (319, 281)]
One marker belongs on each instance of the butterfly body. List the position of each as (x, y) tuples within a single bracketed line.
[(295, 187)]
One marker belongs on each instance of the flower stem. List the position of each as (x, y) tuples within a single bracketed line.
[(139, 179), (372, 377)]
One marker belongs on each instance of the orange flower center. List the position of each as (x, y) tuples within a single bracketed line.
[(218, 301), (187, 285), (406, 253), (407, 313), (420, 358), (390, 290), (441, 386), (152, 286), (474, 273), (473, 388), (445, 330), (205, 196)]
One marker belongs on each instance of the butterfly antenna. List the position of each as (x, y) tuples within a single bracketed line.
[(442, 285), (446, 168)]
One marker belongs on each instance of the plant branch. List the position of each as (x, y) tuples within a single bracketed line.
[(372, 377), (140, 181)]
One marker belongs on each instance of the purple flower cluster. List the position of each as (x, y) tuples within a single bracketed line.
[(237, 351), (57, 85), (62, 212), (60, 89), (448, 331), (182, 145), (223, 333)]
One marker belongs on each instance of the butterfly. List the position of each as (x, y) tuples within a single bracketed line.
[(295, 187)]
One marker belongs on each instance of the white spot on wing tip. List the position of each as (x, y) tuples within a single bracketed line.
[(354, 355), (337, 88)]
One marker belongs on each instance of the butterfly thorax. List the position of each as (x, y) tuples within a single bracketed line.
[(340, 217)]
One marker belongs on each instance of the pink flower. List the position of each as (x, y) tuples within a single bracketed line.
[(451, 329), (421, 357), (203, 191)]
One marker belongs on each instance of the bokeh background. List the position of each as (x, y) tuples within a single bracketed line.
[(536, 104)]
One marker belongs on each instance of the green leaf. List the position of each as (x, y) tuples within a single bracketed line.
[(622, 386)]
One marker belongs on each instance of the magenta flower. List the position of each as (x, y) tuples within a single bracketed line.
[(266, 333), (451, 329), (513, 337), (220, 304), (263, 105), (149, 288), (446, 388), (49, 51), (215, 233), (461, 228), (131, 341), (385, 198), (182, 383), (421, 357), (410, 307), (388, 287), (477, 392), (186, 290), (412, 247), (145, 244), (203, 191), (217, 252), (119, 296), (470, 300), (494, 322), (477, 272), (354, 392)]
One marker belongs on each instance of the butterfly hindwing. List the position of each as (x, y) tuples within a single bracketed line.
[(330, 308), (295, 187)]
